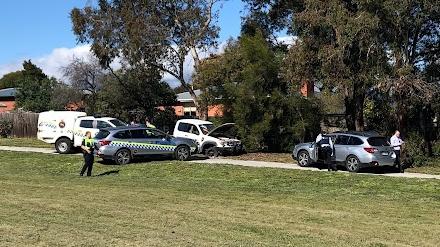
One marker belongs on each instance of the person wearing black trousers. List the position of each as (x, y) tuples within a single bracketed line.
[(88, 145)]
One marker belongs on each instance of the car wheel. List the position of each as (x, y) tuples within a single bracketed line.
[(182, 153), (123, 157), (352, 163), (303, 159), (63, 146), (211, 152)]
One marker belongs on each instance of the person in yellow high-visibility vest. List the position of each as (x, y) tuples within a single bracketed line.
[(88, 146), (148, 124)]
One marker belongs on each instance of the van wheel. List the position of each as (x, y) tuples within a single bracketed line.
[(123, 157), (63, 146), (303, 158), (182, 153), (211, 152), (352, 163)]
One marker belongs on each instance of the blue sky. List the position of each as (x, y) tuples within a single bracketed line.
[(34, 29)]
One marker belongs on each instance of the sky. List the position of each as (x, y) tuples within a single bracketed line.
[(41, 31)]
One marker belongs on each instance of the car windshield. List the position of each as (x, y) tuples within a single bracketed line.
[(378, 141), (117, 122), (206, 128), (102, 134)]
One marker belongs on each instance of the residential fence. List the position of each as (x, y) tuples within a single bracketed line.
[(25, 124)]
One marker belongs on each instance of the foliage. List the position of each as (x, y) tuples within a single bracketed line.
[(379, 114), (245, 80), (154, 33), (11, 80), (35, 89), (6, 126), (134, 94), (414, 148), (64, 94)]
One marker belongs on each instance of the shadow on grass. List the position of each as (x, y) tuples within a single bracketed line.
[(372, 170), (108, 173), (152, 158)]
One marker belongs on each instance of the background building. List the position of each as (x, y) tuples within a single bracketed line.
[(7, 99)]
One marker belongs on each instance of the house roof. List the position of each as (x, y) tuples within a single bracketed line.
[(8, 92), (186, 97)]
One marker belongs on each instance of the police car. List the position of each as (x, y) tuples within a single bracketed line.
[(123, 144)]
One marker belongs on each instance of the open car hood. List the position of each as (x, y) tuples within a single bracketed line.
[(227, 130)]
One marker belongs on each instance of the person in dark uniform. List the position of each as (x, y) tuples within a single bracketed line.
[(326, 151), (88, 146)]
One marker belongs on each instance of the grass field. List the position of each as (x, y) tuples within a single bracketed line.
[(24, 142), (45, 203)]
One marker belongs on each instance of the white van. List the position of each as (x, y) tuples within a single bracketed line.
[(211, 141), (66, 129)]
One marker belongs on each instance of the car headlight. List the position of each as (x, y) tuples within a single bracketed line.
[(222, 143)]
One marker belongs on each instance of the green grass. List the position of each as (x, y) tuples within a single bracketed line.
[(45, 203), (24, 142)]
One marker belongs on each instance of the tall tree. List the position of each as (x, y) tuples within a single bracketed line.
[(155, 33), (86, 76), (11, 80), (340, 48), (245, 78), (140, 95), (35, 89)]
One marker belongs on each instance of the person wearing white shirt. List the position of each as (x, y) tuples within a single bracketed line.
[(325, 147), (396, 143)]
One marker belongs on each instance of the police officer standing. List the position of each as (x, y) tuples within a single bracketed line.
[(396, 143), (326, 149), (88, 146)]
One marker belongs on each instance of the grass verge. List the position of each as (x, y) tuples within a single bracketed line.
[(45, 203), (24, 142)]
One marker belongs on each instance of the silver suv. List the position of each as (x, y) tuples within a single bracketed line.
[(122, 144), (354, 150)]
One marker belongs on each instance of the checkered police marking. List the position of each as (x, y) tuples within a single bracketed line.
[(149, 146)]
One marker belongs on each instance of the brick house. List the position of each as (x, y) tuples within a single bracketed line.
[(185, 106), (7, 99)]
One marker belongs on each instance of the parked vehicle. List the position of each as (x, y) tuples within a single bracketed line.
[(211, 141), (66, 129), (123, 144), (354, 150)]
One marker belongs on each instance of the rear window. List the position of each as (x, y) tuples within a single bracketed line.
[(117, 122), (122, 135), (378, 141), (102, 134), (355, 141)]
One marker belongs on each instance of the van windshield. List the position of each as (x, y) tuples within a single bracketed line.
[(117, 122), (378, 142)]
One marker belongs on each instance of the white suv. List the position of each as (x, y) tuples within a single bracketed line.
[(211, 141)]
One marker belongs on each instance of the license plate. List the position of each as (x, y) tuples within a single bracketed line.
[(385, 153)]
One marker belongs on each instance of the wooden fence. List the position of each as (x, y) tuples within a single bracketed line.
[(24, 124)]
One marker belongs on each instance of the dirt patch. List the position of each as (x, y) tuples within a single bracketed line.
[(269, 157)]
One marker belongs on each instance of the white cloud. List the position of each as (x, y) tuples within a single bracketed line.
[(52, 63)]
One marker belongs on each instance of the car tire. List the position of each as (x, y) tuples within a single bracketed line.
[(352, 163), (123, 157), (63, 146), (211, 152), (182, 153), (303, 158)]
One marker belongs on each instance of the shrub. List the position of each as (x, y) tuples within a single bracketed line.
[(5, 128), (414, 149)]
